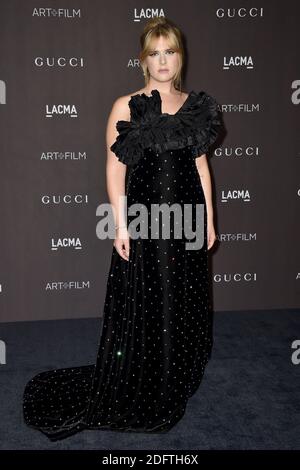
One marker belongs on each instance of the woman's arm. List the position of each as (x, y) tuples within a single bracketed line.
[(203, 170), (115, 175), (204, 173)]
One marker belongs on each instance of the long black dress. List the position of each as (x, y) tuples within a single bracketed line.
[(156, 337)]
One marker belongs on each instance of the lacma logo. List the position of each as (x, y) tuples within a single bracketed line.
[(66, 243), (2, 92), (145, 13), (238, 62), (240, 194), (61, 110)]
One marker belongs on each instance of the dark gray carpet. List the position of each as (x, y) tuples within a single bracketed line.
[(249, 397)]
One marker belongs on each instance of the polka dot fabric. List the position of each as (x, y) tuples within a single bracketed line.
[(156, 337)]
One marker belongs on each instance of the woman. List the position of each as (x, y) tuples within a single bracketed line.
[(156, 337)]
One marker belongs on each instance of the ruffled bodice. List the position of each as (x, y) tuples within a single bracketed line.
[(196, 124)]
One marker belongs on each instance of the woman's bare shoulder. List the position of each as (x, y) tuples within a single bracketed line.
[(123, 100), (120, 108)]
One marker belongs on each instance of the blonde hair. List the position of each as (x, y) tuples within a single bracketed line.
[(161, 26)]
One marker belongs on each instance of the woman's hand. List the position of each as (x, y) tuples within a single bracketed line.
[(211, 234), (121, 242)]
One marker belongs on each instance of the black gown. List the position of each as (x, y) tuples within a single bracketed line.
[(156, 336)]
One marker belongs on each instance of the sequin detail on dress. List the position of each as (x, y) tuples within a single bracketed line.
[(156, 337)]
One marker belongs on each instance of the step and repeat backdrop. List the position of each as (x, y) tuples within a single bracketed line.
[(62, 65)]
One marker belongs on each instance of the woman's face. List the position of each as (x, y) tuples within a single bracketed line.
[(162, 61)]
